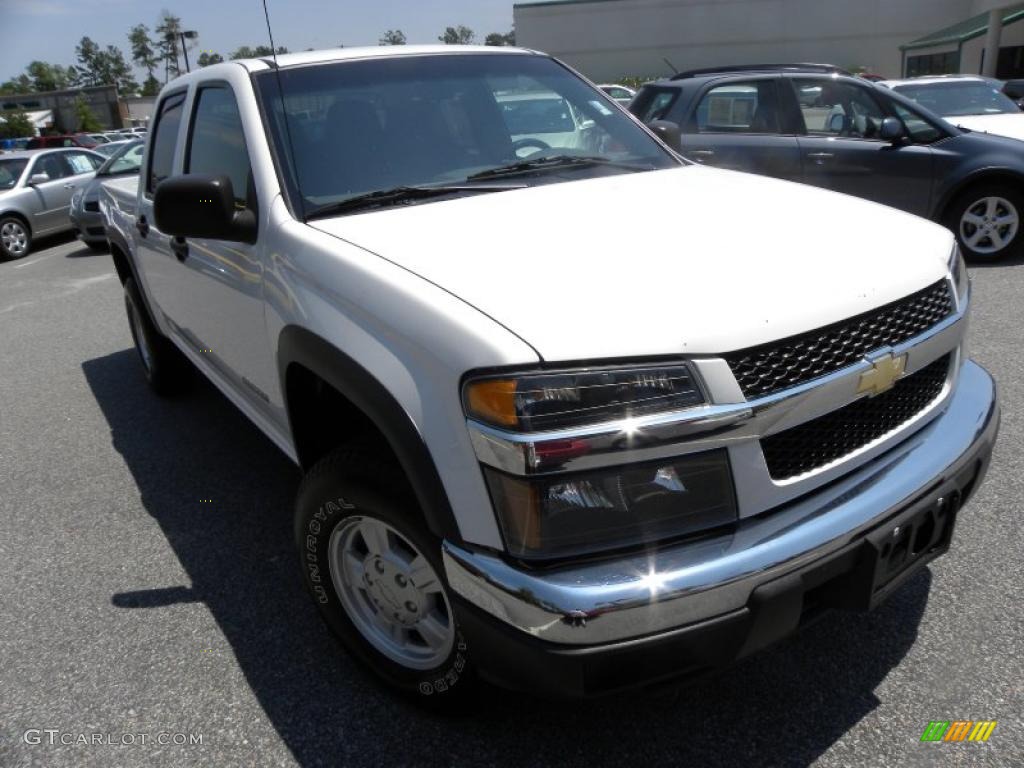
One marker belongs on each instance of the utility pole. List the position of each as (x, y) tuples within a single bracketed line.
[(188, 35)]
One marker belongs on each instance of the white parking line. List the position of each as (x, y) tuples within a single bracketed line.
[(28, 263)]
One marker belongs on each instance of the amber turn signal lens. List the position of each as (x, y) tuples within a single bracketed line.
[(493, 401)]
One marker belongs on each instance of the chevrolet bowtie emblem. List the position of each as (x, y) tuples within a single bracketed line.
[(883, 375)]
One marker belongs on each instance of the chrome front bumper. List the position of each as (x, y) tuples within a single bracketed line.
[(639, 595)]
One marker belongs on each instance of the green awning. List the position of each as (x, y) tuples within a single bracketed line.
[(976, 26)]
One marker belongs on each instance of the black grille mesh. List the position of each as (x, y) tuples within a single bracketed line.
[(834, 435), (782, 364)]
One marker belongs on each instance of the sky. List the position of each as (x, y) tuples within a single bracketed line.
[(50, 29)]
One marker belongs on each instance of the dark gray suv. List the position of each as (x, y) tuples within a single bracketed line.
[(817, 125)]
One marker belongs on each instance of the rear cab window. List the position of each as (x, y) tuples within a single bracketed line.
[(165, 139)]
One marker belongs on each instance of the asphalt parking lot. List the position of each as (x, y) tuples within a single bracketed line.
[(148, 587)]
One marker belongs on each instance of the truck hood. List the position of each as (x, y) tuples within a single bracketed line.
[(1009, 125), (689, 260)]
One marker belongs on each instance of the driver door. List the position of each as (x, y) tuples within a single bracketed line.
[(840, 149)]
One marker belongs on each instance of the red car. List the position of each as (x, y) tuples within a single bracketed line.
[(69, 140)]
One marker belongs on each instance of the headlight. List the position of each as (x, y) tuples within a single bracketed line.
[(549, 401), (958, 272), (573, 514)]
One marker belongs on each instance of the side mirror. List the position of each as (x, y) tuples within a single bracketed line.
[(201, 206), (38, 178), (891, 130), (669, 133)]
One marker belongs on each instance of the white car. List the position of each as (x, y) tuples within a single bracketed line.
[(620, 93), (974, 103), (541, 450)]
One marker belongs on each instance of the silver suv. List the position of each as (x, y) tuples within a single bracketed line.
[(35, 194)]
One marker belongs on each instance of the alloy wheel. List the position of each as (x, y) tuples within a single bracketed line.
[(989, 225), (14, 238)]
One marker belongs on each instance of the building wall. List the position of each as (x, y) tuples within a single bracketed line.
[(102, 100), (971, 53), (607, 39)]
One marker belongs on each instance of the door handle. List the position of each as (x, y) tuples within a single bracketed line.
[(820, 157), (703, 152), (69, 186), (142, 225), (180, 248)]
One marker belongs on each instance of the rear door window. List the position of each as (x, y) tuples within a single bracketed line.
[(739, 107), (165, 138), (81, 162)]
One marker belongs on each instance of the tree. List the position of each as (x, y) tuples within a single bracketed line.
[(392, 37), (104, 67), (87, 120), (49, 77), (459, 35), (20, 84), (245, 52), (87, 53), (143, 52), (496, 38), (208, 58), (151, 86), (167, 35), (15, 123)]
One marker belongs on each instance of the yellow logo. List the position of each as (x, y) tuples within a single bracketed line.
[(883, 375)]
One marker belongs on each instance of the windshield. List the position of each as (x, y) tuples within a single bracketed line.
[(10, 171), (127, 159), (955, 99), (367, 126)]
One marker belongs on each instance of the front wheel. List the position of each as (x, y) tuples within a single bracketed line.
[(375, 572), (15, 238), (987, 222)]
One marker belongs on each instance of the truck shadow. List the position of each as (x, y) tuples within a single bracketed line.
[(782, 707)]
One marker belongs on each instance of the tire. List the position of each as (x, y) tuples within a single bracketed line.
[(15, 238), (164, 366), (393, 589), (988, 221)]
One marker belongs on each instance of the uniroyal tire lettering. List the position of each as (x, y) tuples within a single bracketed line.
[(321, 594), (314, 573), (311, 543), (314, 527), (426, 689)]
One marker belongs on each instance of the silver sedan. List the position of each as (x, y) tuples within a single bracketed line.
[(35, 194), (85, 203)]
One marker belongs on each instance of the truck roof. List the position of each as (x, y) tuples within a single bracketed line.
[(371, 52)]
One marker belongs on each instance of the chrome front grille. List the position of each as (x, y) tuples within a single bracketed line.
[(827, 438), (780, 365)]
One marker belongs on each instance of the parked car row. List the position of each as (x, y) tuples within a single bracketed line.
[(46, 191), (880, 141)]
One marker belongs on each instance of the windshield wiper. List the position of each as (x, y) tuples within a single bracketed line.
[(553, 162), (404, 194)]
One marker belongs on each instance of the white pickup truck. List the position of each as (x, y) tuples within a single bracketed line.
[(542, 448)]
